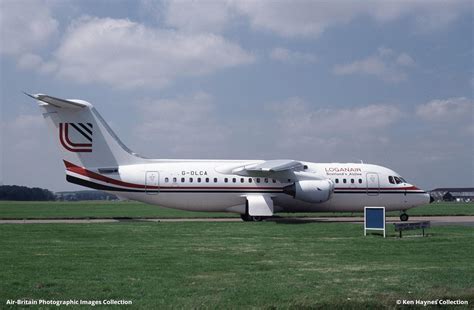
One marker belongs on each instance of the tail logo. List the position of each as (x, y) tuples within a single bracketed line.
[(81, 133)]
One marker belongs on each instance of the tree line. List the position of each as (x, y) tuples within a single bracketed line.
[(23, 193)]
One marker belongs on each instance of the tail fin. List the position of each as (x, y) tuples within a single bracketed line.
[(83, 136)]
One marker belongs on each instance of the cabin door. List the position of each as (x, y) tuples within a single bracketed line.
[(373, 186), (152, 182)]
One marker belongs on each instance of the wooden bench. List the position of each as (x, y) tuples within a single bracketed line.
[(410, 226)]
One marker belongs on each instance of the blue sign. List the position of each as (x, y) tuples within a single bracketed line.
[(374, 219)]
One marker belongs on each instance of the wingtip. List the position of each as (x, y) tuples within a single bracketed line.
[(29, 95), (34, 96)]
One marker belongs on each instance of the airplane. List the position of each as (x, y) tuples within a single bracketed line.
[(95, 157)]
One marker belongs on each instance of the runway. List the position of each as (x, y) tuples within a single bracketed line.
[(435, 220)]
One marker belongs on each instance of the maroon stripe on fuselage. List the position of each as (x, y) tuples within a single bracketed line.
[(82, 171), (93, 175)]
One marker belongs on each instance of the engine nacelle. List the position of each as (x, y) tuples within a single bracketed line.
[(314, 191)]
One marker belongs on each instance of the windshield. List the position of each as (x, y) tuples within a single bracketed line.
[(396, 180)]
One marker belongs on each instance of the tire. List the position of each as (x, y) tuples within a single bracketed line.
[(245, 217), (249, 218), (404, 217)]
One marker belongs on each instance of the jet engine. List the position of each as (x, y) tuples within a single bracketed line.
[(314, 191)]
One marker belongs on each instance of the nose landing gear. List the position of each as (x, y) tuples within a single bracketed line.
[(404, 217)]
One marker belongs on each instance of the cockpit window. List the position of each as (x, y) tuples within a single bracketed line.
[(390, 179), (403, 180), (397, 180)]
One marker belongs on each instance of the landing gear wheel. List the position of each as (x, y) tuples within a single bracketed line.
[(246, 217), (249, 218), (403, 217)]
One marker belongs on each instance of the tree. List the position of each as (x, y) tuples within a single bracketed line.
[(15, 192)]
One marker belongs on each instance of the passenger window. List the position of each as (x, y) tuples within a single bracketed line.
[(289, 180), (344, 181), (182, 180), (305, 167), (397, 180), (190, 180), (242, 180), (207, 180), (250, 180), (234, 180), (265, 180), (337, 180), (390, 179), (226, 180), (352, 181), (360, 181), (215, 180), (167, 180), (258, 180), (199, 180), (174, 180)]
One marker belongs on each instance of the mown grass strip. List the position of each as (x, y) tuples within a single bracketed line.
[(234, 265), (129, 209)]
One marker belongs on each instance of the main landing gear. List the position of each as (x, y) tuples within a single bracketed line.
[(403, 217), (249, 218)]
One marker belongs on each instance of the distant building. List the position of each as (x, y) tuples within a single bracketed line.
[(458, 194)]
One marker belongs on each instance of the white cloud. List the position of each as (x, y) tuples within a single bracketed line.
[(447, 110), (311, 18), (301, 18), (29, 61), (330, 132), (441, 14), (184, 126), (385, 64), (198, 16), (288, 56), (25, 26), (126, 54), (298, 116), (405, 60), (304, 17)]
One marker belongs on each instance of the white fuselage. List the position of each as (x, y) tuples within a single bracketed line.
[(207, 186)]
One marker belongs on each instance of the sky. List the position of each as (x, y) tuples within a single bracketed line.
[(383, 82)]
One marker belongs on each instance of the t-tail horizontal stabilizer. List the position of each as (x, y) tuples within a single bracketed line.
[(58, 102)]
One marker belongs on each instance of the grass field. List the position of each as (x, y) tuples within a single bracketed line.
[(104, 209), (234, 265)]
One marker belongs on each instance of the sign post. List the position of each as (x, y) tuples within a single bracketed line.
[(374, 219)]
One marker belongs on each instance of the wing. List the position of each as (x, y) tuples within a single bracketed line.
[(276, 166), (264, 168)]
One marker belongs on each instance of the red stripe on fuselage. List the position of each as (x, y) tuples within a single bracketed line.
[(82, 171), (90, 174), (93, 175)]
